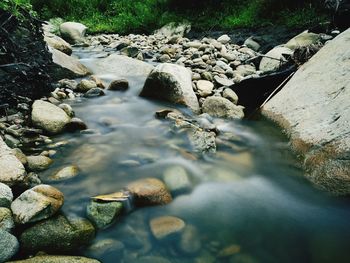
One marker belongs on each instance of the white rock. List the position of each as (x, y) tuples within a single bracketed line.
[(223, 108), (176, 179), (204, 88), (49, 117), (73, 32), (230, 95), (224, 39)]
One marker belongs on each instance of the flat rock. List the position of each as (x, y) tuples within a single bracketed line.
[(165, 226), (102, 214), (313, 108), (57, 235), (67, 66), (8, 246), (37, 203), (304, 39), (12, 171), (149, 191), (172, 83), (49, 117), (57, 259), (6, 195), (223, 108)]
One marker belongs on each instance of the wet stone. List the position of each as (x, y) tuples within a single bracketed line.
[(165, 226), (66, 173), (176, 179), (38, 163), (119, 85), (103, 214)]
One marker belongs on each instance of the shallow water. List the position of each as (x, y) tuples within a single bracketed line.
[(251, 193)]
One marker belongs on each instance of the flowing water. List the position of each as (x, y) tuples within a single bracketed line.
[(250, 194)]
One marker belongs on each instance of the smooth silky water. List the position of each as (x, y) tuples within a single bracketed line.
[(252, 193)]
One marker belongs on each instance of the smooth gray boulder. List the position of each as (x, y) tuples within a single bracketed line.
[(8, 246), (73, 32), (49, 117), (36, 204), (56, 259), (313, 108), (172, 83), (66, 66), (12, 171), (57, 235)]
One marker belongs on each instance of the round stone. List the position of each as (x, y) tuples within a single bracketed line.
[(165, 226)]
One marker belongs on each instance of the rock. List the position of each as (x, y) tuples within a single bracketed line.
[(98, 81), (76, 124), (66, 173), (245, 70), (37, 203), (58, 43), (224, 39), (164, 58), (223, 81), (56, 259), (176, 179), (229, 251), (95, 92), (223, 108), (67, 109), (73, 32), (204, 88), (119, 85), (86, 85), (38, 163), (230, 95), (202, 141), (251, 43), (171, 83), (6, 195), (103, 214), (173, 29), (275, 58), (66, 66), (8, 246), (122, 67), (304, 39), (190, 242), (49, 117), (313, 109), (6, 220), (130, 51), (20, 155), (11, 141), (106, 248), (12, 171), (57, 235), (165, 226), (149, 191), (68, 84)]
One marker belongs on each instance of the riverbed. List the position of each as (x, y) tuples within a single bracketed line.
[(251, 195)]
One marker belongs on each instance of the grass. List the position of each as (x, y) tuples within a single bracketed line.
[(137, 16)]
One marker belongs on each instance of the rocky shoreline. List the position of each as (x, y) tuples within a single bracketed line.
[(197, 74)]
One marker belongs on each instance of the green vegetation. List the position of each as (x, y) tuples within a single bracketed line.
[(15, 6), (143, 16)]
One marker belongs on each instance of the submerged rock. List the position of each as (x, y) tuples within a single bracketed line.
[(8, 246), (38, 203), (223, 108), (172, 83), (57, 235), (149, 191), (12, 171), (313, 108), (66, 173), (190, 242), (49, 117), (102, 214), (85, 85), (57, 259), (165, 226), (176, 179)]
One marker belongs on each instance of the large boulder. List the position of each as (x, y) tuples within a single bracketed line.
[(172, 83), (73, 32), (313, 108), (57, 235), (12, 171), (304, 39), (8, 246), (58, 43), (36, 204), (56, 259), (49, 117), (66, 66)]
